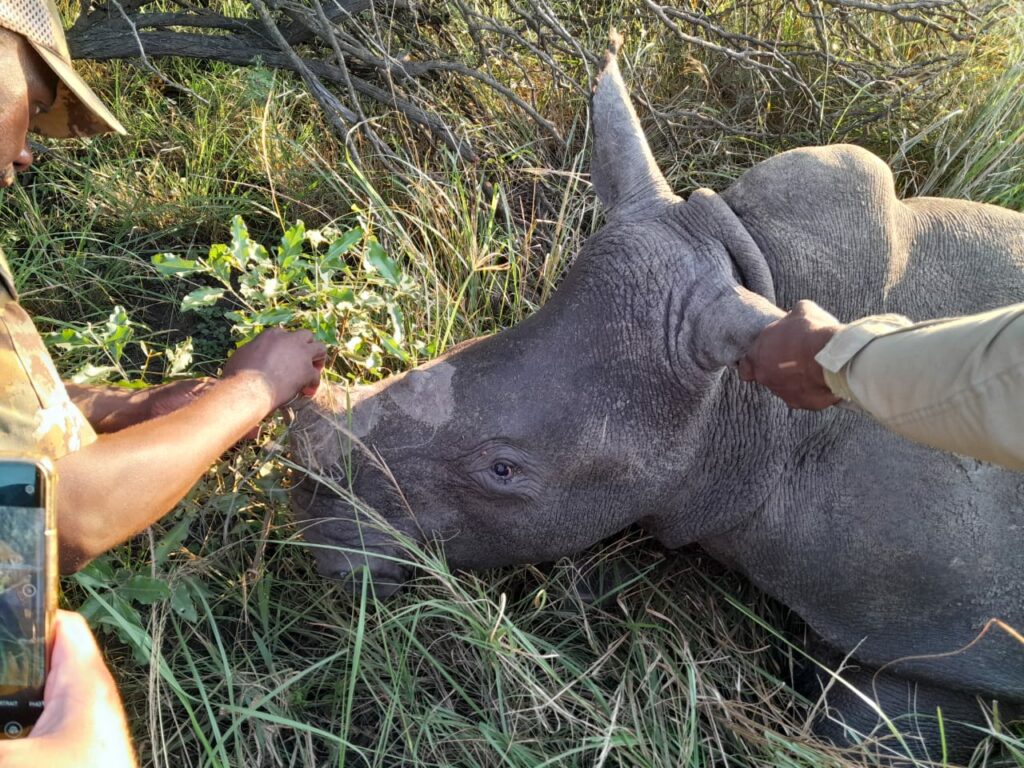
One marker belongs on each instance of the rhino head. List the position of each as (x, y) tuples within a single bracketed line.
[(597, 412)]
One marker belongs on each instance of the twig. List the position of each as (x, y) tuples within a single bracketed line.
[(378, 143), (146, 62), (747, 58), (337, 113)]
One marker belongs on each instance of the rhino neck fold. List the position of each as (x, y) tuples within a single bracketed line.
[(719, 302), (722, 296), (708, 215)]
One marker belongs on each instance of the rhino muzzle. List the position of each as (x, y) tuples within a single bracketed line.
[(385, 575), (348, 548)]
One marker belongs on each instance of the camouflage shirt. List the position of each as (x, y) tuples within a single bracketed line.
[(36, 414)]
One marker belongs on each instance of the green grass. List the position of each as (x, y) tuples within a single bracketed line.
[(230, 650)]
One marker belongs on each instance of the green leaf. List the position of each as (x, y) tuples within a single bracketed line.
[(271, 483), (244, 251), (251, 285), (326, 331), (342, 298), (182, 602), (98, 573), (202, 297), (378, 261), (169, 264), (67, 338), (370, 300), (397, 322), (179, 357), (94, 374), (124, 620), (391, 345), (118, 317), (144, 589), (92, 610), (229, 503), (117, 333), (291, 244), (221, 261), (172, 541), (339, 247), (241, 247), (272, 316)]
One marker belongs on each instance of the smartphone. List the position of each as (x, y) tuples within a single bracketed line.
[(28, 589)]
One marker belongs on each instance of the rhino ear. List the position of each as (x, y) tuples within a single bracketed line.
[(623, 171)]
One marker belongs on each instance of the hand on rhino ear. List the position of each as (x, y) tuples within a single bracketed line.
[(720, 325), (783, 357), (719, 332)]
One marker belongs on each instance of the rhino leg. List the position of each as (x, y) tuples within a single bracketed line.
[(843, 718)]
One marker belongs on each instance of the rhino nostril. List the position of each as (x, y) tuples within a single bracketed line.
[(384, 580), (354, 575)]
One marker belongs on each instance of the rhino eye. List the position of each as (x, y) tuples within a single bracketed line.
[(500, 470), (503, 470)]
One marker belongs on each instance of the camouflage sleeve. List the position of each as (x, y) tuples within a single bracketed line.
[(36, 414)]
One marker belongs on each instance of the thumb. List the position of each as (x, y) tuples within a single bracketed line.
[(83, 719), (78, 676), (746, 369), (74, 650), (318, 365)]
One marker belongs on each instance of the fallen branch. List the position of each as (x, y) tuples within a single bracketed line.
[(352, 54)]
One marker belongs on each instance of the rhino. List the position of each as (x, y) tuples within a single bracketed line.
[(619, 403)]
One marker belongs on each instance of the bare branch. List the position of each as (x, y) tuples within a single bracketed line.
[(400, 54)]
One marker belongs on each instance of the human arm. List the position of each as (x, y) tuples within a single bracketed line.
[(124, 481), (111, 409), (83, 723), (955, 384)]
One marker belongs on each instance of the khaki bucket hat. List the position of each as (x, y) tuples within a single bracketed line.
[(77, 111)]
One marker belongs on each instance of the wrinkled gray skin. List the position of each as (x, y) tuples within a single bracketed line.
[(617, 403)]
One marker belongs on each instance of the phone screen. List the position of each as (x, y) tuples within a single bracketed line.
[(22, 596)]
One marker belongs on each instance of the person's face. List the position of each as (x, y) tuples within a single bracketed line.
[(27, 88)]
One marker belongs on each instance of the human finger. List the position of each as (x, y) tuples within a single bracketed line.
[(303, 334), (78, 678), (319, 353), (74, 651), (319, 356), (745, 368)]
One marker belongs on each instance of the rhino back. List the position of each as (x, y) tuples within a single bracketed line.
[(893, 552), (831, 228), (890, 550)]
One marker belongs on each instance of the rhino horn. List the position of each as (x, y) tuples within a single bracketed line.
[(623, 171)]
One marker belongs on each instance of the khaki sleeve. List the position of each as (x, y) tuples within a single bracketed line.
[(954, 384), (36, 415)]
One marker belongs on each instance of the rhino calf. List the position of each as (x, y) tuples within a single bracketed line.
[(617, 403)]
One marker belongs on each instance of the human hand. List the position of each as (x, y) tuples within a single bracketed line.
[(288, 363), (83, 723), (782, 357)]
